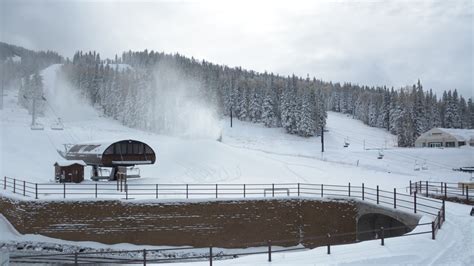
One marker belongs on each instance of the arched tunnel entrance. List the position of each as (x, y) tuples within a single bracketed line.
[(374, 221)]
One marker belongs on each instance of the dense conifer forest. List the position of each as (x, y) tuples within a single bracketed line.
[(140, 88)]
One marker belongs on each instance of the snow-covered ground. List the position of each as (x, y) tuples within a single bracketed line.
[(252, 153)]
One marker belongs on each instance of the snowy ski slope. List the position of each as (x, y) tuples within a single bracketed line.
[(251, 153), (248, 153)]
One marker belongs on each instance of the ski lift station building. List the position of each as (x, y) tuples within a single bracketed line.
[(446, 137), (114, 154)]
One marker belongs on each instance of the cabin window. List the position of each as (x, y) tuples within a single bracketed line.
[(450, 144), (148, 150), (461, 143), (137, 148), (123, 148), (435, 134), (435, 144), (110, 150)]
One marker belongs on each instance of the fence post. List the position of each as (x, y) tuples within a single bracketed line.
[(445, 193), (156, 189), (421, 187), (426, 182), (377, 194), (467, 194), (4, 182), (394, 198), (118, 185), (95, 190), (64, 190), (463, 189), (439, 219), (14, 185), (322, 189), (414, 202), (433, 230), (444, 211), (75, 258), (269, 250), (126, 191), (36, 190), (144, 257), (187, 191), (382, 236), (329, 243), (210, 255), (298, 189), (349, 189), (441, 187), (410, 187), (273, 190), (363, 196), (244, 190), (24, 190), (216, 191)]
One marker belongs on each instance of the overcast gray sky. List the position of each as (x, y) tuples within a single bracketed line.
[(367, 42)]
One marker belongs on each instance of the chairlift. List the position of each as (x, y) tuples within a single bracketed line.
[(424, 166), (37, 126), (58, 125), (346, 142), (417, 166), (133, 172), (380, 156), (102, 173)]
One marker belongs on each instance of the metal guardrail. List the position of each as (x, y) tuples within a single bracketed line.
[(444, 190), (121, 190), (126, 191), (169, 255)]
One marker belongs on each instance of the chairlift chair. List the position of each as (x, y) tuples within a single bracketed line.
[(424, 166), (380, 156), (37, 126), (58, 125), (346, 142), (133, 172), (417, 166)]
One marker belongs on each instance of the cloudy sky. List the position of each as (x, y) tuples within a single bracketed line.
[(367, 42)]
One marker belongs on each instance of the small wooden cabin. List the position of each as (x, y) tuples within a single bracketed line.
[(69, 171)]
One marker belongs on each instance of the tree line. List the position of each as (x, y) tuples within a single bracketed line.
[(131, 89), (130, 94), (407, 112)]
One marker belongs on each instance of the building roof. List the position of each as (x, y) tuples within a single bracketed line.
[(459, 134), (63, 163)]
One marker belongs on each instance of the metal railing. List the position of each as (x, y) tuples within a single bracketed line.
[(416, 201), (461, 192), (169, 255), (413, 202)]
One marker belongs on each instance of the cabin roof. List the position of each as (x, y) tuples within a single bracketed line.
[(63, 163), (459, 134), (96, 147)]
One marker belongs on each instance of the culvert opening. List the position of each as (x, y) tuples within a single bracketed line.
[(369, 225)]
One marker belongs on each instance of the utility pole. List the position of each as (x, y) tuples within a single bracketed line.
[(33, 113), (3, 84), (34, 126), (231, 116), (322, 139)]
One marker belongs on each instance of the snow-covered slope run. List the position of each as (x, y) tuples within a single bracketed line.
[(252, 153), (248, 152)]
